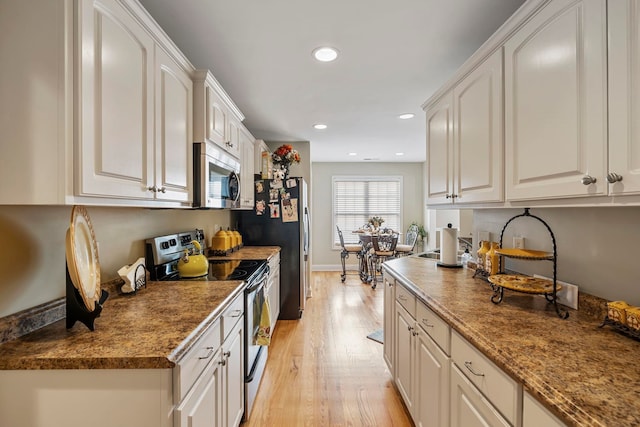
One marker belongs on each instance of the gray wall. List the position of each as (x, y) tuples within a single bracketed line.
[(324, 256), (597, 247), (32, 253)]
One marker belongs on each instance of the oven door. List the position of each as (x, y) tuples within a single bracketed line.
[(255, 356), (216, 178)]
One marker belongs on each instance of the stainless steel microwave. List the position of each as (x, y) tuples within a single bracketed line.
[(216, 177)]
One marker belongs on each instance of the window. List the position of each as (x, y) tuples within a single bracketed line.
[(357, 198)]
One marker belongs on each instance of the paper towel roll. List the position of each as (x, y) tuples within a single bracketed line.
[(449, 246)]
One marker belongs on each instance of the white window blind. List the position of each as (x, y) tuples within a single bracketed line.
[(356, 199)]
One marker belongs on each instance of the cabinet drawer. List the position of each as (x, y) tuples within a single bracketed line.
[(495, 385), (232, 315), (433, 325), (406, 299), (274, 262), (195, 360)]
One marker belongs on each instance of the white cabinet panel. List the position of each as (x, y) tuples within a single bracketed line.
[(624, 96), (217, 118), (555, 96), (404, 355), (233, 365), (202, 407), (116, 103), (469, 408), (246, 141), (432, 385), (478, 129), (389, 341), (173, 163), (464, 139), (440, 151), (536, 415)]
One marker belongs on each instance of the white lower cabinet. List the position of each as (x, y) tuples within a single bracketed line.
[(273, 289), (421, 365), (536, 415), (469, 408), (389, 341), (213, 396)]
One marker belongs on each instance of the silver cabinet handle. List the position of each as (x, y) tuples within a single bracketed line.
[(153, 188), (227, 354), (235, 313), (402, 297), (162, 190), (468, 366), (409, 328), (425, 322), (451, 196), (588, 179), (613, 177), (208, 355)]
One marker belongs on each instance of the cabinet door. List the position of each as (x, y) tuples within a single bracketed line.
[(404, 355), (274, 296), (115, 113), (232, 144), (173, 167), (233, 354), (432, 385), (555, 95), (469, 408), (389, 322), (478, 128), (247, 169), (536, 415), (202, 406), (624, 95), (440, 151), (217, 118)]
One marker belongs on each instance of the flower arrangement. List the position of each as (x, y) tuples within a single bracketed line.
[(285, 155), (376, 221)]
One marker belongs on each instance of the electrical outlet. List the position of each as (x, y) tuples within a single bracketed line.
[(568, 295), (518, 242)]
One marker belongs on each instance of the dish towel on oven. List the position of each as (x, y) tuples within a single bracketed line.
[(263, 337)]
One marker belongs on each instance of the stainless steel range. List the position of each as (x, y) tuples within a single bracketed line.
[(161, 257)]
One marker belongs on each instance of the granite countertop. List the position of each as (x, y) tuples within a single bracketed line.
[(149, 330), (250, 252), (586, 375)]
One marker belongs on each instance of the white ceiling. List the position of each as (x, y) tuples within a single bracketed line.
[(393, 56)]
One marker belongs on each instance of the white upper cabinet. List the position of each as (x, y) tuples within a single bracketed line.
[(135, 111), (174, 154), (464, 139), (215, 117), (477, 134), (624, 97), (115, 145), (247, 168), (555, 103), (111, 119), (440, 150)]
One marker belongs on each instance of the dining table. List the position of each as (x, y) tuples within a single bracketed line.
[(366, 237)]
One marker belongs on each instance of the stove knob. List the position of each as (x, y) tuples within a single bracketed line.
[(164, 245)]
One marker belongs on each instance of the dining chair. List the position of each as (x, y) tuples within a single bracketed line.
[(346, 251), (384, 248), (409, 242)]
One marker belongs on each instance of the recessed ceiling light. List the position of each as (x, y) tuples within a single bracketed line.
[(353, 154), (319, 126), (325, 54), (399, 154), (406, 116)]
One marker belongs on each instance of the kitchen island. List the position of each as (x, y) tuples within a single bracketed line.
[(583, 374)]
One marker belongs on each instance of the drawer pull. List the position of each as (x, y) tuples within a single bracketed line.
[(468, 366), (425, 322), (402, 297), (409, 328), (235, 313), (208, 355)]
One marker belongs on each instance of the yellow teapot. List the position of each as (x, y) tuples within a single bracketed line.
[(194, 265)]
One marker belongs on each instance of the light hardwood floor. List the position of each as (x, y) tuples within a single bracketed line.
[(323, 370)]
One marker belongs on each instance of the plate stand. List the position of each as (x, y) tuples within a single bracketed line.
[(76, 310)]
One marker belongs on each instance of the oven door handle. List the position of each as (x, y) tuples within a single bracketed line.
[(259, 283)]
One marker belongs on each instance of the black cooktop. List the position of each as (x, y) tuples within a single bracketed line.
[(230, 269)]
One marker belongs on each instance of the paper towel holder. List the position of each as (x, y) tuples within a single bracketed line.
[(441, 264)]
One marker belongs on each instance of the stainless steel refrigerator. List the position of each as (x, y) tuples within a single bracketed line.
[(281, 218)]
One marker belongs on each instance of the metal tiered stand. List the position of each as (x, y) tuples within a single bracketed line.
[(522, 283)]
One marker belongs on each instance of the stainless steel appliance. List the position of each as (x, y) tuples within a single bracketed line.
[(216, 177), (289, 229), (162, 254)]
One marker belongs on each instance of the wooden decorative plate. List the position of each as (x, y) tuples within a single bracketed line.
[(524, 254), (82, 257)]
